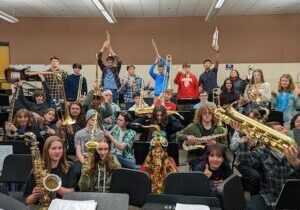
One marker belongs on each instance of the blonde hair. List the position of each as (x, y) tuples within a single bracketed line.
[(291, 86)]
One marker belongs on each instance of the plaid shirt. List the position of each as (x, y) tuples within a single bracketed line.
[(56, 84), (272, 166), (128, 90)]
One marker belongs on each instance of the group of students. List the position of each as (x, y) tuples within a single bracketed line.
[(116, 130)]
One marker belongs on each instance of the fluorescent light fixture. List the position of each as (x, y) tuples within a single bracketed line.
[(105, 11), (8, 17), (214, 9), (219, 4)]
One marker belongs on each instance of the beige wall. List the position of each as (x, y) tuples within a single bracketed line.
[(243, 39)]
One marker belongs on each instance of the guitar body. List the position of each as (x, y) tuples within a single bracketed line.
[(13, 75)]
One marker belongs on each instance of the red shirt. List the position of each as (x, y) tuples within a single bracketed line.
[(169, 105), (188, 86)]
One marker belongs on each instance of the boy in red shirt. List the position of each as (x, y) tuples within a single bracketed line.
[(165, 100), (188, 86)]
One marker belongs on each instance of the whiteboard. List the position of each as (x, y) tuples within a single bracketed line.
[(5, 150)]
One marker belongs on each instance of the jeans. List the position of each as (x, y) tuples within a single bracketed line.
[(127, 162), (251, 179)]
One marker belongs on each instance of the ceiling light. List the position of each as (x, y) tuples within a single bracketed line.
[(214, 9), (8, 17), (219, 4), (105, 11)]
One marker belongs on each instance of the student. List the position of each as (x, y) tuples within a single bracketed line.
[(239, 83), (42, 98), (110, 72), (137, 99), (215, 166), (121, 139), (228, 94), (55, 160), (72, 83), (165, 100), (188, 86), (97, 176), (130, 85), (295, 128), (284, 100), (160, 78), (203, 96), (208, 79)]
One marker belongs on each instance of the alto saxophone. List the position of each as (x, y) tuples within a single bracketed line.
[(255, 130), (201, 142), (50, 182)]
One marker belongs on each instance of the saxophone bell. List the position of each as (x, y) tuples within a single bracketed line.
[(52, 182)]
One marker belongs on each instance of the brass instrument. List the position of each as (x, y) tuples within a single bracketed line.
[(252, 92), (200, 143), (97, 93), (67, 120), (108, 40), (167, 77), (253, 129), (154, 47), (149, 111), (50, 182), (79, 95), (91, 146), (11, 109), (216, 96)]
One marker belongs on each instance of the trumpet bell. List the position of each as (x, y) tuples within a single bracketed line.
[(52, 182), (68, 121), (91, 144)]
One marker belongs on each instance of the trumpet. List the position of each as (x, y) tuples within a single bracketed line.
[(79, 95)]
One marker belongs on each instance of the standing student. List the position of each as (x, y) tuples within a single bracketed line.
[(110, 72), (208, 79), (72, 83)]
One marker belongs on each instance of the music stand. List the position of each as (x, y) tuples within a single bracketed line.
[(187, 103), (289, 195)]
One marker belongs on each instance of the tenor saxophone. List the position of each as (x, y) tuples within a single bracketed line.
[(255, 130), (201, 142)]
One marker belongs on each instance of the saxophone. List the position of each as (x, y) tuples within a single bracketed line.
[(201, 142), (50, 182), (253, 129), (149, 111), (91, 146)]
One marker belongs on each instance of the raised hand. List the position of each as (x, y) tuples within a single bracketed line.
[(191, 139), (207, 172)]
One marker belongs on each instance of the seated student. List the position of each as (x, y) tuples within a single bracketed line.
[(121, 140), (68, 131), (188, 86), (85, 134), (97, 175), (275, 167), (215, 166), (42, 98), (92, 101), (54, 157), (204, 124), (165, 100), (23, 122), (109, 117), (295, 128), (203, 96), (137, 99), (228, 94)]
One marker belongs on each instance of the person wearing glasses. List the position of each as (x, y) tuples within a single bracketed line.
[(204, 124), (203, 96)]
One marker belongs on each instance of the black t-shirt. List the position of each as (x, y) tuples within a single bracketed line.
[(68, 180)]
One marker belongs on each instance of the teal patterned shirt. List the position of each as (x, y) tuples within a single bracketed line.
[(127, 137)]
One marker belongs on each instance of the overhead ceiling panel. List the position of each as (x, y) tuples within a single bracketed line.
[(133, 8), (168, 8), (150, 8), (185, 9), (203, 7)]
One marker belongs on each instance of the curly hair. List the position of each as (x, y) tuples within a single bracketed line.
[(198, 115)]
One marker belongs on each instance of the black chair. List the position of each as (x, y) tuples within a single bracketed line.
[(134, 183), (173, 151), (7, 202), (16, 169), (19, 147), (3, 189), (106, 201), (289, 195), (232, 194), (190, 184), (141, 149)]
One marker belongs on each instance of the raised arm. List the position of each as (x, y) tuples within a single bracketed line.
[(217, 56)]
